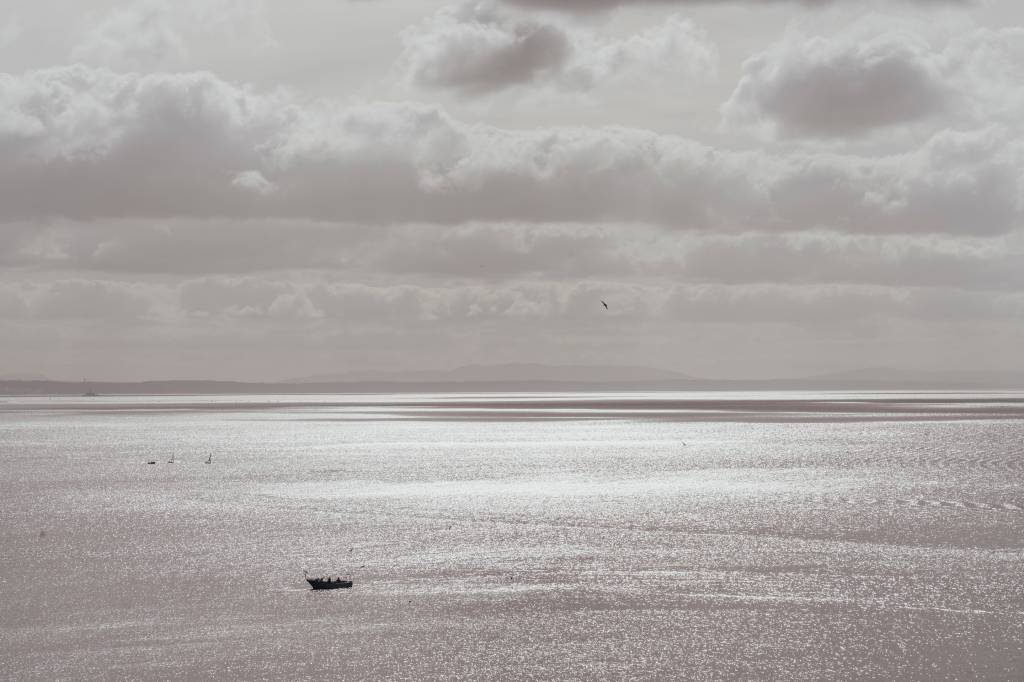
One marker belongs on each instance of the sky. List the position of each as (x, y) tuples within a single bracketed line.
[(232, 189)]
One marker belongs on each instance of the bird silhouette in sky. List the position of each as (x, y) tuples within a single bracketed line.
[(605, 305)]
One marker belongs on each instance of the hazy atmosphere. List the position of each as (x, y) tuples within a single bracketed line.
[(258, 190), (512, 340)]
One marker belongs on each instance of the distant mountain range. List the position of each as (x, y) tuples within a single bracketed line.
[(529, 377), (517, 372)]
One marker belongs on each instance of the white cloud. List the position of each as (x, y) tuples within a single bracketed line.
[(804, 305), (503, 252), (234, 326), (232, 297), (188, 223), (133, 37), (498, 251), (870, 77), (63, 299), (900, 261), (478, 48), (822, 87), (173, 143), (411, 306), (676, 47), (253, 181), (159, 34)]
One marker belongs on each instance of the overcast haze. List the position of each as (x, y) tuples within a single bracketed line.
[(256, 191)]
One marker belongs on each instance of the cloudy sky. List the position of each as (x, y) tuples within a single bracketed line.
[(239, 189)]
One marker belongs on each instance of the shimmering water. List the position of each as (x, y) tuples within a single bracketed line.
[(718, 536)]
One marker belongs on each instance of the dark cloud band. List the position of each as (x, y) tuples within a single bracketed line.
[(604, 5)]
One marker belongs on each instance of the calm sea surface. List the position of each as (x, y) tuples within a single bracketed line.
[(624, 536)]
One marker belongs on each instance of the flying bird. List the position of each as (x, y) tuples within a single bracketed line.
[(605, 305)]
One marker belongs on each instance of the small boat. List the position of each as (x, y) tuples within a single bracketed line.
[(327, 583)]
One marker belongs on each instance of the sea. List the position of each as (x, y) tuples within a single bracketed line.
[(546, 536)]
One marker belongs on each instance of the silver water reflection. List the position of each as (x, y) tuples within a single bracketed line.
[(786, 536)]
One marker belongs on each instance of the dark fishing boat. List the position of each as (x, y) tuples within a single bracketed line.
[(327, 583)]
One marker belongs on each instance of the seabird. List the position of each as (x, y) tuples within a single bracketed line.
[(605, 305)]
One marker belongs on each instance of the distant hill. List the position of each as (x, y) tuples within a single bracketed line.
[(532, 377), (516, 372)]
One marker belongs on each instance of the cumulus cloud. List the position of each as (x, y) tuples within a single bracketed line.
[(225, 246), (87, 143), (408, 306), (157, 34), (836, 305), (179, 246), (397, 306), (232, 325), (152, 210), (245, 297), (394, 305), (677, 46), (488, 253), (76, 299), (843, 86), (253, 181), (354, 301), (814, 258), (133, 37), (985, 67), (478, 48), (871, 77)]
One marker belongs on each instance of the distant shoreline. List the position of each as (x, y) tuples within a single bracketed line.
[(204, 387)]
